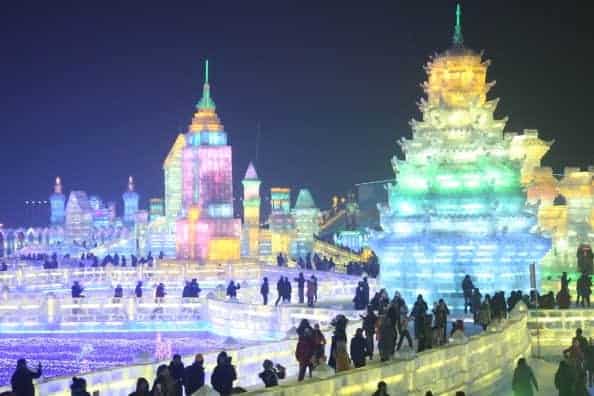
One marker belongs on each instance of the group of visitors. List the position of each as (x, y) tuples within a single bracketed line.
[(191, 289), (575, 372), (315, 262), (306, 287)]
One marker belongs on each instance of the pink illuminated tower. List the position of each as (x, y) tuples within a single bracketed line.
[(207, 229)]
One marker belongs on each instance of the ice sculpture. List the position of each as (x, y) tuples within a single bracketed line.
[(457, 206), (207, 229), (57, 204), (79, 218), (282, 224), (130, 198), (307, 217), (251, 213)]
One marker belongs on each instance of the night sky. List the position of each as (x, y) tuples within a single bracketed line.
[(97, 91)]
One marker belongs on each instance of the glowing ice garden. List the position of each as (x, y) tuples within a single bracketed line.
[(467, 198)]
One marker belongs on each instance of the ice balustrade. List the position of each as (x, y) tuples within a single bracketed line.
[(51, 312), (482, 365), (553, 329), (479, 366)]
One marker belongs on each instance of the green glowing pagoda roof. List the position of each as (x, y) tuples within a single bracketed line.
[(206, 101), (305, 200)]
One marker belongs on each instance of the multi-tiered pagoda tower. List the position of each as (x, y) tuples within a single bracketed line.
[(457, 206)]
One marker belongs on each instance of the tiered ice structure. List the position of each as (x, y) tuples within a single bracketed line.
[(457, 206), (130, 198), (205, 226)]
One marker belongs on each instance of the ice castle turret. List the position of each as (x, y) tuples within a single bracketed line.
[(457, 206), (57, 204), (251, 212), (130, 198)]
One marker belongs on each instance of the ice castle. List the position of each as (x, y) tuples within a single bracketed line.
[(458, 205)]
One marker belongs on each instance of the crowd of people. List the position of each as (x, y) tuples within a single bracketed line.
[(306, 288)]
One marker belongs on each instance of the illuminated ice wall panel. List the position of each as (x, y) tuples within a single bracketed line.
[(458, 205), (156, 208), (57, 204), (215, 180), (172, 168)]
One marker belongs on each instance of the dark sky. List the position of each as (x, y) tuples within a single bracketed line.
[(97, 91)]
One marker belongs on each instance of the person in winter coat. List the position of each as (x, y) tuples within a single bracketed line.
[(418, 313), (223, 375), (22, 379), (369, 323), (301, 287), (319, 344), (358, 349), (138, 290), (176, 370), (280, 290), (337, 359), (565, 378), (305, 350), (142, 388), (382, 389), (441, 313), (264, 289), (194, 375), (269, 376), (404, 333), (475, 304), (164, 384), (311, 292), (232, 290), (467, 288), (485, 312), (523, 379), (79, 387), (386, 339)]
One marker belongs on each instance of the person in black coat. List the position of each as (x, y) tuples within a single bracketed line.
[(176, 370), (358, 349), (232, 290), (223, 375), (138, 290), (280, 287), (194, 375), (22, 379), (264, 290), (301, 287)]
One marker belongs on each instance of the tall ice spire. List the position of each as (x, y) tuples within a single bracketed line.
[(458, 39), (206, 101), (58, 186), (130, 183)]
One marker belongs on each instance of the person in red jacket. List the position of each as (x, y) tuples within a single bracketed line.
[(305, 348)]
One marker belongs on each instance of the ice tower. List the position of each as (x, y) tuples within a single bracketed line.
[(457, 206), (307, 217), (206, 228), (251, 213), (130, 198), (57, 204), (282, 224)]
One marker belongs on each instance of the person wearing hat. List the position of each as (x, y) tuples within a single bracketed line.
[(194, 375)]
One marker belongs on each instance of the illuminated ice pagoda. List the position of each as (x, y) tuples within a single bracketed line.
[(199, 188), (458, 205)]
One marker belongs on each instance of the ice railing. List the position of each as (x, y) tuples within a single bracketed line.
[(553, 329), (24, 313), (35, 277), (481, 365)]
